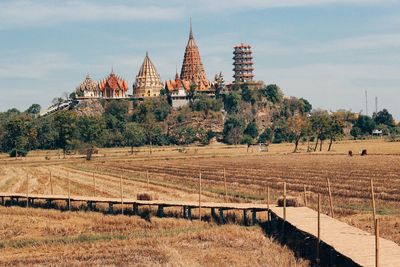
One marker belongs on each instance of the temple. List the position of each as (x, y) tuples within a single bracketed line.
[(178, 91), (113, 87), (243, 67), (192, 68), (87, 89), (148, 82)]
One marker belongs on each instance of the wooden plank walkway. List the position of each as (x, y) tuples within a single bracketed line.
[(349, 241)]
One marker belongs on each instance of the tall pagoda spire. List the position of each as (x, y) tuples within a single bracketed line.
[(192, 68)]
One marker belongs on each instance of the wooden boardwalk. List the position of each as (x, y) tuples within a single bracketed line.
[(351, 242)]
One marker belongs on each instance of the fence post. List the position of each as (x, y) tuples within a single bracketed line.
[(200, 196), (377, 242), (121, 191), (268, 197), (94, 185), (284, 202), (373, 202), (226, 190), (27, 190), (69, 192), (319, 228), (148, 180), (51, 183), (305, 195), (330, 196)]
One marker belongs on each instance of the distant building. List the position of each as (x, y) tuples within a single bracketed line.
[(87, 89), (243, 67), (113, 87), (148, 82), (178, 91)]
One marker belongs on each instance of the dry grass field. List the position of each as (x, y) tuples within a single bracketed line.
[(52, 237)]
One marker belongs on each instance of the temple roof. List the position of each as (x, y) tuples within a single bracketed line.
[(87, 85), (192, 68), (148, 72), (177, 84), (113, 82)]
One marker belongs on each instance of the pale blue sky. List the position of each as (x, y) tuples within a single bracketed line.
[(327, 51)]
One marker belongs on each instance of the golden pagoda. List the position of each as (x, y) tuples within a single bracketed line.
[(192, 68), (113, 87), (148, 82), (87, 89)]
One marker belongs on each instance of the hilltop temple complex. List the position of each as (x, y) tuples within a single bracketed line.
[(148, 82)]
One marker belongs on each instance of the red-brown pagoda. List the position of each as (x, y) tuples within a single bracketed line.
[(113, 87), (192, 68)]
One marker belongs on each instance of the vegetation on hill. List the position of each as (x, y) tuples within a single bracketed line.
[(243, 116)]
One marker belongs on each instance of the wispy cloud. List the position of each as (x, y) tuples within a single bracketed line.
[(35, 66), (45, 12)]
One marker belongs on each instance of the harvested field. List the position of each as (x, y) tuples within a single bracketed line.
[(174, 176), (50, 237)]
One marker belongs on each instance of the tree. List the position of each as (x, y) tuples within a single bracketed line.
[(251, 130), (219, 83), (205, 103), (273, 93), (134, 135), (233, 130), (192, 93), (34, 109), (297, 127), (335, 127), (319, 120), (91, 132), (247, 95), (384, 117), (65, 124), (231, 102), (366, 124), (16, 134), (150, 129), (265, 136)]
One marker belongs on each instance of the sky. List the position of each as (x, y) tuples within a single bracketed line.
[(327, 51)]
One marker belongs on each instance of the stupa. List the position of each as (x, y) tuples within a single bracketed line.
[(148, 82), (192, 68), (87, 89)]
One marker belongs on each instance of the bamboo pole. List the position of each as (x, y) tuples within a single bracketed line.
[(121, 191), (69, 192), (94, 185), (27, 190), (305, 195), (51, 183), (330, 197), (319, 228), (148, 179), (200, 196), (373, 202), (226, 190), (377, 242), (284, 202)]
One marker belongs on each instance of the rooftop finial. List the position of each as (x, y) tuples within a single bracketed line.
[(147, 54), (191, 32), (112, 70)]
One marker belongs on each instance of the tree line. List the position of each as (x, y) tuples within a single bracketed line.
[(246, 116)]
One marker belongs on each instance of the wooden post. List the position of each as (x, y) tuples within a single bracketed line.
[(373, 202), (148, 180), (284, 202), (27, 190), (319, 228), (121, 191), (69, 192), (200, 196), (305, 196), (94, 185), (377, 242), (268, 197), (226, 190), (51, 184), (330, 197)]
